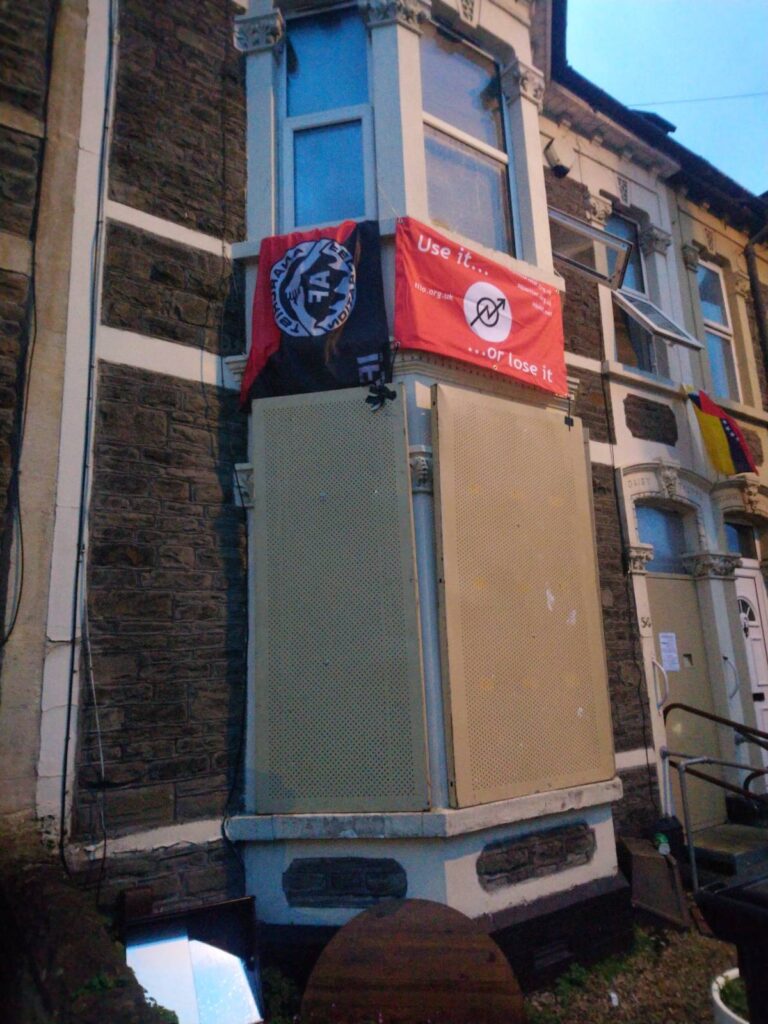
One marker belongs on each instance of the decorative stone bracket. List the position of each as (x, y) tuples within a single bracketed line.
[(598, 209), (520, 80), (638, 555), (711, 564), (243, 484), (408, 13), (259, 32), (420, 460), (690, 257), (653, 239)]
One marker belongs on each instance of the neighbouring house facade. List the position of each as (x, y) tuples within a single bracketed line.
[(324, 655)]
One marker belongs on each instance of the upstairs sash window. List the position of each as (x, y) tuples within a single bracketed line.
[(328, 128), (467, 163), (718, 334)]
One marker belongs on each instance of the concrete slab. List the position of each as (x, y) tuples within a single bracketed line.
[(732, 849)]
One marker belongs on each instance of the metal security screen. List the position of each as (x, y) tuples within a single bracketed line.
[(526, 685), (338, 699)]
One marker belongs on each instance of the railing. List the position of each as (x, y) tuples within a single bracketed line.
[(683, 762)]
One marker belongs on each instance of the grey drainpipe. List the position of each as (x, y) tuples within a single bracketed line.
[(757, 296)]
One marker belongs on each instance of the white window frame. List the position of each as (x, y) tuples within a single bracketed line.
[(361, 113), (724, 331), (500, 156), (660, 335), (635, 245)]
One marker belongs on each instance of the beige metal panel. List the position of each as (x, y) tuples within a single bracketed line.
[(674, 605), (524, 662), (339, 711)]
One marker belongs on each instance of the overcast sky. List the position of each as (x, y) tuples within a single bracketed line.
[(658, 54)]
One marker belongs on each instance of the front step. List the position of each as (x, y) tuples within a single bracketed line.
[(732, 849)]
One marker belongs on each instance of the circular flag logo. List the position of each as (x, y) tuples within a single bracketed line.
[(313, 288), (486, 309)]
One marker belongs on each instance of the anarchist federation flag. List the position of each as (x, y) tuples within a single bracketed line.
[(722, 436), (319, 321)]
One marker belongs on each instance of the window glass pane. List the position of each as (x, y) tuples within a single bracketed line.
[(655, 315), (460, 86), (721, 366), (663, 529), (634, 345), (740, 539), (711, 295), (326, 62), (467, 191), (328, 173), (633, 276)]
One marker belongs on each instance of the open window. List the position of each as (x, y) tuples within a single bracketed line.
[(644, 334), (597, 254)]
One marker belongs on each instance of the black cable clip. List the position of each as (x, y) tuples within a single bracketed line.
[(379, 395)]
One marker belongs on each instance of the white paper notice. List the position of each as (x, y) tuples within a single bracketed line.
[(670, 661)]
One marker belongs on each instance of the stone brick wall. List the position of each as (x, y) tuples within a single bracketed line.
[(507, 862), (591, 405), (629, 704), (179, 128), (23, 80), (754, 444), (343, 881), (172, 291), (181, 876), (23, 35), (581, 308), (650, 421), (759, 358), (638, 809), (20, 165), (167, 602)]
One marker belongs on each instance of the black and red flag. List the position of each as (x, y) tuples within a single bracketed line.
[(319, 321)]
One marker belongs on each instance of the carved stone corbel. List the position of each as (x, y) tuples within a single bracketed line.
[(653, 239), (243, 481), (711, 564), (667, 472), (690, 257), (598, 209), (259, 32), (420, 461), (742, 285), (408, 13), (523, 81), (638, 555)]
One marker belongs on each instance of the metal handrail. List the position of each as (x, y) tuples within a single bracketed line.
[(683, 764), (749, 733)]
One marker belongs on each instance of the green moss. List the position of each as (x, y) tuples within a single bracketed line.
[(734, 995)]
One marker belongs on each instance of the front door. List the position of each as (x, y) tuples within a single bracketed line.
[(680, 649), (751, 598)]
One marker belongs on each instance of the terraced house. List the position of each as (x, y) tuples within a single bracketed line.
[(323, 652)]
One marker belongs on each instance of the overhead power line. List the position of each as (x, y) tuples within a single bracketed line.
[(700, 99)]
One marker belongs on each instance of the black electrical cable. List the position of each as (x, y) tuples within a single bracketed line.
[(632, 610), (88, 425), (237, 297)]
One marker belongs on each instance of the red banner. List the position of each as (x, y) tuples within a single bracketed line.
[(454, 302)]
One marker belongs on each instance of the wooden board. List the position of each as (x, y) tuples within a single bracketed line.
[(409, 962)]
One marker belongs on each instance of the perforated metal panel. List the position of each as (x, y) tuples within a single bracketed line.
[(524, 662), (338, 687)]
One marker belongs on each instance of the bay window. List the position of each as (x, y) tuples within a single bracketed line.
[(464, 140)]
